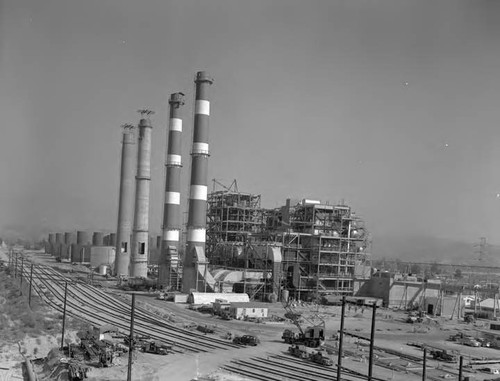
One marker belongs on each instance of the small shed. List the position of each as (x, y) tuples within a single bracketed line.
[(248, 310), (200, 298)]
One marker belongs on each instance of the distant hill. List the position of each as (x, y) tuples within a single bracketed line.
[(430, 249)]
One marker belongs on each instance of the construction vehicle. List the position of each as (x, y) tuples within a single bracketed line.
[(299, 351), (246, 340), (469, 318), (205, 329), (155, 347), (312, 337), (321, 359), (415, 317), (443, 355)]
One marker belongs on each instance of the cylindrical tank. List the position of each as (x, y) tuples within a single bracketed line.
[(126, 202), (140, 236), (112, 239), (58, 245), (285, 294), (197, 216), (82, 237), (69, 238), (98, 239), (102, 255), (103, 269), (105, 240), (52, 241)]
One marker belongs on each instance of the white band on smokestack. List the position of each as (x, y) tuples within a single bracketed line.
[(175, 124), (200, 148), (174, 160), (198, 192), (173, 198), (202, 107), (196, 235), (171, 235)]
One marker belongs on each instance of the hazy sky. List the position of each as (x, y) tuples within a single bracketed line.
[(391, 105)]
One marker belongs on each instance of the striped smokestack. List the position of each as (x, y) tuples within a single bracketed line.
[(126, 201), (169, 257), (140, 238), (197, 218)]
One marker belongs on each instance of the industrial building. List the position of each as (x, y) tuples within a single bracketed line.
[(230, 243)]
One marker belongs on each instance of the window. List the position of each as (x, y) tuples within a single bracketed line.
[(142, 247), (124, 247)]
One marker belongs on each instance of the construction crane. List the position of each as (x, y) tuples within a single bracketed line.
[(312, 336)]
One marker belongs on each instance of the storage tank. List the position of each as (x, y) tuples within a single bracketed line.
[(103, 269), (98, 239), (102, 255), (285, 295)]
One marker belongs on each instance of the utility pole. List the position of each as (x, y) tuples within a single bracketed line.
[(372, 341), (341, 337), (424, 366), (31, 285), (22, 269), (461, 363), (64, 314), (131, 339), (15, 269)]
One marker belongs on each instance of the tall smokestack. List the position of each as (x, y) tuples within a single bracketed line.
[(169, 250), (197, 218), (140, 239), (126, 202)]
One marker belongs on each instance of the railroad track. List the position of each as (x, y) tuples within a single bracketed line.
[(98, 308)]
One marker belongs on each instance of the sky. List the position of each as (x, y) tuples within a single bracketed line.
[(389, 105)]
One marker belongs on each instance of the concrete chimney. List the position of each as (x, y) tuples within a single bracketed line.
[(169, 247), (140, 239), (197, 217), (126, 202)]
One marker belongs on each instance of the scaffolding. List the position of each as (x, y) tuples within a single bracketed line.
[(324, 248), (233, 220)]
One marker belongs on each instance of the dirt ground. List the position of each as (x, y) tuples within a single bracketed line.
[(19, 340)]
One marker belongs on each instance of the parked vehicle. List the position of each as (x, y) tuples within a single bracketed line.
[(155, 347), (205, 329), (246, 340), (443, 355), (321, 359)]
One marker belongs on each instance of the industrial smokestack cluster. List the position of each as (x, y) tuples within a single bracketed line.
[(132, 243)]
